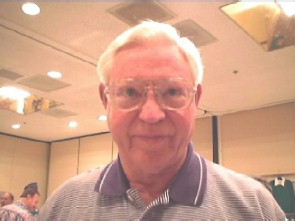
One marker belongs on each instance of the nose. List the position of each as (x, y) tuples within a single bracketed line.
[(151, 111)]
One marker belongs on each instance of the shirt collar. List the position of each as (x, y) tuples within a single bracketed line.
[(188, 188), (22, 205)]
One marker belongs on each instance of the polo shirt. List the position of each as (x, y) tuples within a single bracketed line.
[(201, 190)]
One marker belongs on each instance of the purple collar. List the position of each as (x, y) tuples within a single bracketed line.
[(188, 188)]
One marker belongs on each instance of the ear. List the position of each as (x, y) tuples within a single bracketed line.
[(198, 94), (102, 95)]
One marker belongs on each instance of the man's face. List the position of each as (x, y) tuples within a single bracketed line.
[(32, 202), (151, 138), (5, 199)]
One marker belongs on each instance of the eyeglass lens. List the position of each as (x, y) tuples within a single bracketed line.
[(130, 94)]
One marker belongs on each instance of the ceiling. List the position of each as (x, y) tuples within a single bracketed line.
[(70, 36)]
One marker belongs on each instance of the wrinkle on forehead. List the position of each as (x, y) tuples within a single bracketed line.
[(150, 44), (158, 58)]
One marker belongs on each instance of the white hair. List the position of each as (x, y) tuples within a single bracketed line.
[(148, 31)]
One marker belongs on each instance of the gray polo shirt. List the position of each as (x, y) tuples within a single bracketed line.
[(201, 190)]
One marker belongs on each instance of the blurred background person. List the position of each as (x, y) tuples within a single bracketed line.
[(25, 208), (6, 199)]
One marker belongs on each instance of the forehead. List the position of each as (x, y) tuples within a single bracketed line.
[(149, 61)]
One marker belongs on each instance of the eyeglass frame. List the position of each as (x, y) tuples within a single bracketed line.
[(150, 85)]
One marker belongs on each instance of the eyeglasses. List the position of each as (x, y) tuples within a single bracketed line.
[(131, 93)]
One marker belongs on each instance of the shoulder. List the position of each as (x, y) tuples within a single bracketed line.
[(234, 182), (226, 175), (239, 189), (14, 212)]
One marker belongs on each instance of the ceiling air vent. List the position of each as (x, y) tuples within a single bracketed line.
[(43, 83), (194, 32), (58, 113), (9, 74), (133, 13)]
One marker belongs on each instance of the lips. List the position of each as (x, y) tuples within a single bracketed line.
[(151, 138)]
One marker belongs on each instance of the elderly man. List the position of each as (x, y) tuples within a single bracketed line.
[(150, 86), (25, 207), (6, 199)]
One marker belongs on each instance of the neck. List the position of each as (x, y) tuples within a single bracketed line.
[(150, 185), (23, 201)]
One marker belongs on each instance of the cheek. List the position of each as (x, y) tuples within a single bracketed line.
[(117, 120), (119, 124), (184, 122)]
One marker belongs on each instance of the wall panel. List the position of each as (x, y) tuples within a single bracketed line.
[(63, 163), (7, 146), (95, 151), (202, 137), (23, 161), (260, 141)]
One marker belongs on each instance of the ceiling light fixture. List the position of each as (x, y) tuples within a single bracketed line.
[(13, 99), (73, 124), (287, 7), (268, 23), (54, 74), (103, 117), (13, 93), (16, 126), (31, 8)]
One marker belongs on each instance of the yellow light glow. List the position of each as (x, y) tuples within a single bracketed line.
[(241, 6), (18, 97), (13, 93)]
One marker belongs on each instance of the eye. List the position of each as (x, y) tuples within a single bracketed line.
[(129, 91), (173, 92)]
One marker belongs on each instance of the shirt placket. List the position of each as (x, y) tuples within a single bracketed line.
[(145, 212)]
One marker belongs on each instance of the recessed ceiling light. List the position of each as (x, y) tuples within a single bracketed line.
[(288, 8), (31, 8), (73, 124), (54, 74), (103, 117), (13, 93), (14, 98), (16, 126)]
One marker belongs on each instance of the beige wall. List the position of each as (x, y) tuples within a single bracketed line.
[(260, 142), (63, 163), (71, 157), (95, 151), (202, 137), (23, 161)]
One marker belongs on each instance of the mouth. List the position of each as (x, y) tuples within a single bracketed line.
[(151, 138)]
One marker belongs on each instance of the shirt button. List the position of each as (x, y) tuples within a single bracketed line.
[(130, 198)]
